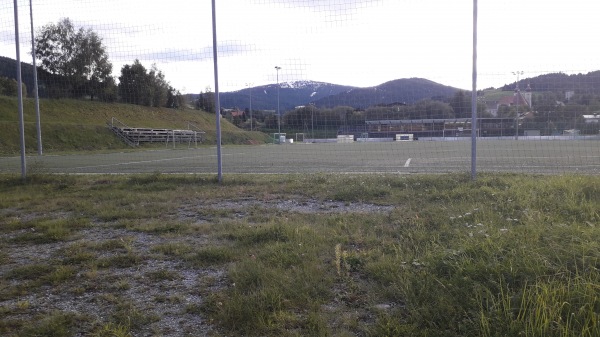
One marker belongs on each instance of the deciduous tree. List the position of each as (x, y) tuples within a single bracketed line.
[(206, 101), (9, 87), (134, 85), (76, 56), (142, 87)]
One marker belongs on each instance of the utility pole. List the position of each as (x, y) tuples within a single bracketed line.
[(312, 120), (518, 94), (250, 91), (277, 68), (35, 86)]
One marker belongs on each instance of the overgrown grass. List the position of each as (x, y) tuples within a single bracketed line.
[(506, 255), (79, 125)]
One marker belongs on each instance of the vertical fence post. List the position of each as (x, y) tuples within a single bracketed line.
[(474, 98), (35, 85), (20, 94), (217, 100)]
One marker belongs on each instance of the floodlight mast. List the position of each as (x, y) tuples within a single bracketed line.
[(277, 68), (312, 120), (249, 85), (35, 85), (518, 94)]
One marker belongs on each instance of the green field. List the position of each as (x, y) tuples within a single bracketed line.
[(525, 156), (76, 140)]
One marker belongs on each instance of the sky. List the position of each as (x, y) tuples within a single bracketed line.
[(360, 43)]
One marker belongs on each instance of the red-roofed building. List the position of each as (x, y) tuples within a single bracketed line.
[(522, 99)]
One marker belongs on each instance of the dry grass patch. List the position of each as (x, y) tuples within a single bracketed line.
[(318, 255)]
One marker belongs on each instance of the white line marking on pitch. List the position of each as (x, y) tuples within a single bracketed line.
[(151, 161), (407, 162)]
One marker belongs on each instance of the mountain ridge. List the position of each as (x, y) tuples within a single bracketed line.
[(328, 95)]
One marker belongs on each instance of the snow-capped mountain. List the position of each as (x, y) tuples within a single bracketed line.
[(327, 95), (291, 94)]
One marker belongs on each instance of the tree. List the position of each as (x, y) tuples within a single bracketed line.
[(77, 56), (9, 87), (428, 109), (299, 117), (343, 112), (505, 111), (271, 122), (138, 86), (134, 87), (108, 90), (174, 98), (356, 118), (328, 117), (461, 104), (206, 101), (159, 87)]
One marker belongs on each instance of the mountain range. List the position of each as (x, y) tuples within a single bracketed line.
[(327, 95), (293, 94)]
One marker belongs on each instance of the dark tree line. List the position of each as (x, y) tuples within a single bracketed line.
[(559, 82), (306, 117), (76, 65), (206, 101)]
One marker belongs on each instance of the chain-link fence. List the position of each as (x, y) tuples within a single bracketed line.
[(304, 86)]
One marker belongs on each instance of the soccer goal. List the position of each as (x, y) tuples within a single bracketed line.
[(300, 137)]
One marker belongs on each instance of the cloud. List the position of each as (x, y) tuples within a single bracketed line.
[(331, 11), (170, 55), (7, 35), (353, 42), (323, 5)]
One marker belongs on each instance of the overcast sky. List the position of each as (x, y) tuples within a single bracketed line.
[(352, 42)]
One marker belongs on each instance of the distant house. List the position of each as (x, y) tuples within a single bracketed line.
[(589, 119), (237, 113), (232, 113), (519, 98), (492, 107)]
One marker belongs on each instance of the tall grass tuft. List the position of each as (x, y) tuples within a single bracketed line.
[(560, 306)]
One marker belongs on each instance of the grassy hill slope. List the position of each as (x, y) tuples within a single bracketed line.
[(75, 125)]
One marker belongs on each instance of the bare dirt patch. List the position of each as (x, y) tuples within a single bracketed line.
[(160, 290)]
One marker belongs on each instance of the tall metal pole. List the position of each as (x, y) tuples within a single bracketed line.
[(278, 112), (312, 120), (518, 94), (250, 93), (217, 100), (20, 94), (35, 85), (474, 98)]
